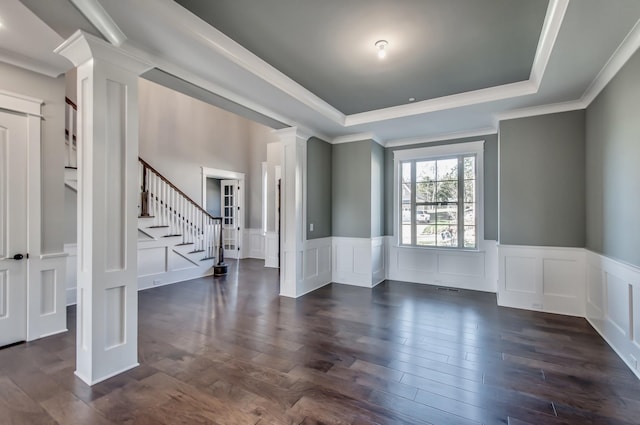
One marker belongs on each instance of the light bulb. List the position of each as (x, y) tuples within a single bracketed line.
[(382, 48)]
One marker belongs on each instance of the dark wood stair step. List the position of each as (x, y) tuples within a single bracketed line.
[(207, 258), (196, 251), (157, 227), (146, 216), (184, 243), (171, 236)]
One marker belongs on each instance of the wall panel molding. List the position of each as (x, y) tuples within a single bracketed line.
[(548, 279)]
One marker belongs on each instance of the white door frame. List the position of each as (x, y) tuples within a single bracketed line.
[(215, 173)]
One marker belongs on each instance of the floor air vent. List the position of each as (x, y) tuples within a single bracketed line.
[(444, 289)]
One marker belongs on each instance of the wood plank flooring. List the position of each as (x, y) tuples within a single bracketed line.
[(230, 351)]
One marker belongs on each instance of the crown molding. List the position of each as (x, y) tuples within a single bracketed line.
[(82, 47), (99, 18), (442, 137), (32, 65), (618, 59), (357, 137), (548, 36), (489, 94), (533, 111)]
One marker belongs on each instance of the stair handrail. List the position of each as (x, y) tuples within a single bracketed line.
[(70, 103), (146, 165)]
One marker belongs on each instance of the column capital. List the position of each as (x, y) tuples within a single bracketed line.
[(82, 47)]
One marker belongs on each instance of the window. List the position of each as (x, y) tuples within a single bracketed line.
[(438, 193)]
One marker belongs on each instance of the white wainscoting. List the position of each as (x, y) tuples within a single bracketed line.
[(158, 264), (359, 261), (475, 270), (546, 279), (46, 300), (254, 244), (271, 249), (613, 305), (316, 265)]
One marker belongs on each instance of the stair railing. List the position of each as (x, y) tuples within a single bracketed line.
[(172, 209), (70, 134)]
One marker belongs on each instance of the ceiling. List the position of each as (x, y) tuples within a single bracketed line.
[(436, 47), (312, 64)]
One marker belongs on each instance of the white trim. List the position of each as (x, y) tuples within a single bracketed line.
[(533, 111), (441, 150), (99, 18), (356, 138), (485, 131), (36, 66), (550, 29), (20, 103), (442, 103), (542, 278), (623, 53), (431, 152), (53, 255), (104, 378)]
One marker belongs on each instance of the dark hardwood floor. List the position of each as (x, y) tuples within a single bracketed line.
[(230, 351)]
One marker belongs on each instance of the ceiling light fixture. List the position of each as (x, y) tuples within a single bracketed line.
[(382, 48)]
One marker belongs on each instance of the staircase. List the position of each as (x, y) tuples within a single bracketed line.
[(178, 239), (167, 213)]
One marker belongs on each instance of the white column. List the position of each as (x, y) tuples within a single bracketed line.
[(292, 210), (107, 323)]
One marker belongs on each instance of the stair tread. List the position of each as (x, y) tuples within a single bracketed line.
[(157, 227), (207, 258), (171, 236), (184, 243), (196, 251), (147, 216)]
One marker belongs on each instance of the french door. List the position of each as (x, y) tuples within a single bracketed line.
[(230, 222)]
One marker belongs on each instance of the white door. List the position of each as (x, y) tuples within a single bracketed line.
[(230, 223), (13, 228)]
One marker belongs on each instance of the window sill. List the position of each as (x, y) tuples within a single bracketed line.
[(479, 250)]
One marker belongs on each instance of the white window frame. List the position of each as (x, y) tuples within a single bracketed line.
[(435, 152)]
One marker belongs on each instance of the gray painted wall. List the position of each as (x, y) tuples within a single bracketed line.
[(351, 189), (613, 168), (213, 197), (542, 185), (319, 179), (377, 190), (490, 182), (51, 91)]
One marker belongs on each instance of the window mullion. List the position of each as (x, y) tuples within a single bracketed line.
[(414, 235), (460, 214)]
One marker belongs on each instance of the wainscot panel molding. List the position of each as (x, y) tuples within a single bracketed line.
[(158, 265), (254, 240), (316, 265), (613, 305), (548, 279), (476, 270), (271, 249), (46, 301), (359, 261)]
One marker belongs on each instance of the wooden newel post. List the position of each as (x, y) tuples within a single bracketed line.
[(144, 201)]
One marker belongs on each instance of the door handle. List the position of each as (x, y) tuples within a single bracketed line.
[(18, 257)]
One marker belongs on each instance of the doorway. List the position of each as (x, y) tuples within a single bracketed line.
[(223, 196)]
